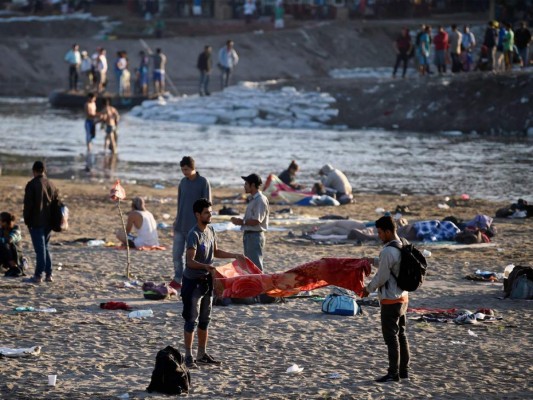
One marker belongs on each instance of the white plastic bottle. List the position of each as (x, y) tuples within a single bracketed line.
[(141, 314)]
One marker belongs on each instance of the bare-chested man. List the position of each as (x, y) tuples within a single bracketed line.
[(90, 120), (110, 117)]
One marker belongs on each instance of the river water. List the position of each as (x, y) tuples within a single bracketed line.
[(375, 161)]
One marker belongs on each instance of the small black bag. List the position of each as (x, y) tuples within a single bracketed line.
[(58, 215), (170, 375)]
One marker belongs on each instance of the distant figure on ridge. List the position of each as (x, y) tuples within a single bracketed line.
[(73, 58), (403, 48), (160, 61), (204, 65), (227, 61)]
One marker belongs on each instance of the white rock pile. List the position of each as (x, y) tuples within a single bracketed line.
[(247, 104)]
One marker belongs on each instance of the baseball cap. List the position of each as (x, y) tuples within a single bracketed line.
[(253, 178)]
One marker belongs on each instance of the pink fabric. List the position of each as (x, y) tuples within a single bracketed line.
[(233, 280)]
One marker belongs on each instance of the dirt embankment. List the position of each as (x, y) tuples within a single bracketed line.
[(32, 65)]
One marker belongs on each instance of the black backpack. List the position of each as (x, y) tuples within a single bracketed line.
[(58, 218), (413, 266), (170, 375)]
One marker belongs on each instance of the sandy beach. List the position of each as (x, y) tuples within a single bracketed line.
[(101, 354)]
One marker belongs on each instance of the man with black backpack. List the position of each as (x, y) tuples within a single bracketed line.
[(393, 300)]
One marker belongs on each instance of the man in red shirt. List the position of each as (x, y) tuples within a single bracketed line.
[(441, 47)]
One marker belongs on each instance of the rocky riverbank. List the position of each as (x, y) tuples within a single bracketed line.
[(302, 56)]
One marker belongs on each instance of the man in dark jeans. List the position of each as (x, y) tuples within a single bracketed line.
[(38, 196), (393, 300), (197, 284), (403, 48)]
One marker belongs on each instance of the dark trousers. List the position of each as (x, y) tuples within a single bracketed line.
[(393, 326), (73, 76), (401, 57), (43, 262)]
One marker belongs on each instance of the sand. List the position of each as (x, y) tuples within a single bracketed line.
[(101, 354)]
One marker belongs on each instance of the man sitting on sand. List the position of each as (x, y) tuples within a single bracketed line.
[(144, 222), (10, 238), (336, 184), (197, 284)]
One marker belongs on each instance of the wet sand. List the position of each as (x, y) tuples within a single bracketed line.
[(101, 354)]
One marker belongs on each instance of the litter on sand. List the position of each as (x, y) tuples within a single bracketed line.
[(294, 369)]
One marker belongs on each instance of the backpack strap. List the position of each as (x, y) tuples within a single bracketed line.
[(396, 245)]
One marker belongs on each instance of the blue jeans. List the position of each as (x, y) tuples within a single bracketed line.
[(524, 55), (204, 83), (225, 77), (178, 255), (254, 242), (197, 298), (40, 238)]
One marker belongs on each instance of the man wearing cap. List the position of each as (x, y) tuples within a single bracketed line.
[(255, 221), (38, 196)]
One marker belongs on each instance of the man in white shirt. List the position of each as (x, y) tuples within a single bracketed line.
[(227, 60), (73, 58)]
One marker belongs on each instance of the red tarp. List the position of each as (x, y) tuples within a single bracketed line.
[(236, 281)]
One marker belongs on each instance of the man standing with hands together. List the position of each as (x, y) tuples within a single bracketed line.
[(197, 285)]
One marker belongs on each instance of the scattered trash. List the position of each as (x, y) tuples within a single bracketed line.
[(25, 352), (443, 206), (426, 253), (334, 375), (33, 309), (52, 380), (465, 196), (124, 396), (467, 264), (472, 333), (457, 342), (159, 186), (162, 225), (380, 210), (95, 243), (294, 369), (141, 314), (131, 284)]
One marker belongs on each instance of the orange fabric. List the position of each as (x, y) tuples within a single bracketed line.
[(236, 281), (403, 299)]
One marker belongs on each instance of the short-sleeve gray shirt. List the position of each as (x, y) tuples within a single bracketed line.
[(204, 244)]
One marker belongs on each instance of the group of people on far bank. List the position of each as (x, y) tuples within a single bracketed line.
[(501, 47), (93, 70)]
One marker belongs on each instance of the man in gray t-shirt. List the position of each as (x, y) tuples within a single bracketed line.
[(191, 188), (197, 284)]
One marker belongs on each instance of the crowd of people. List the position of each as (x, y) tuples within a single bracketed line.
[(91, 73), (498, 50), (195, 247)]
